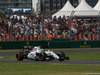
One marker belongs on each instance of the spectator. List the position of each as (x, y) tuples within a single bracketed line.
[(53, 27)]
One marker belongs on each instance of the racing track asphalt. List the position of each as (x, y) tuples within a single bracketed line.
[(52, 62), (9, 53)]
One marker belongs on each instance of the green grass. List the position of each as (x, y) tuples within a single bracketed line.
[(46, 69), (9, 57), (72, 56), (84, 56), (9, 49)]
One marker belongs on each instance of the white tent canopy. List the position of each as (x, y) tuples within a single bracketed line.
[(83, 9), (66, 10), (14, 16), (97, 6)]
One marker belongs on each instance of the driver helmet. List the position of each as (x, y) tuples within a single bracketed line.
[(35, 48)]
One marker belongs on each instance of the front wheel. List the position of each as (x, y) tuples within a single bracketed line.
[(61, 56), (19, 56)]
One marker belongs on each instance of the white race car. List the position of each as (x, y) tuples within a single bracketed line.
[(38, 54)]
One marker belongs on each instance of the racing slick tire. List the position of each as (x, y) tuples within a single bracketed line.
[(42, 56), (61, 55), (19, 56)]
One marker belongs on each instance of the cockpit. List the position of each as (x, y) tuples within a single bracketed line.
[(37, 48)]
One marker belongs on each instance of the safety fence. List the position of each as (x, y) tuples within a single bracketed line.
[(19, 44), (54, 43)]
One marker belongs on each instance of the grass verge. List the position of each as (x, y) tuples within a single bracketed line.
[(9, 57), (46, 69), (84, 56)]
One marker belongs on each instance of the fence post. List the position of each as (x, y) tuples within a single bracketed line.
[(98, 26), (70, 20)]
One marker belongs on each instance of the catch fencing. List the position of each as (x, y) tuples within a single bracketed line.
[(77, 26)]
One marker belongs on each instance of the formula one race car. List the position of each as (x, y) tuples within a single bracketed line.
[(38, 54)]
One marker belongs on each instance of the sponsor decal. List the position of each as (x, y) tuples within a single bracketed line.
[(27, 43), (85, 45), (0, 47)]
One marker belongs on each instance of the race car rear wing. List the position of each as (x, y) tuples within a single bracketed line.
[(27, 47)]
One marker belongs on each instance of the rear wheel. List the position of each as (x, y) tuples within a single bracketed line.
[(61, 55), (42, 56), (19, 56)]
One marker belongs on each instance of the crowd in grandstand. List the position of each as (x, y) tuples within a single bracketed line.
[(33, 27)]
